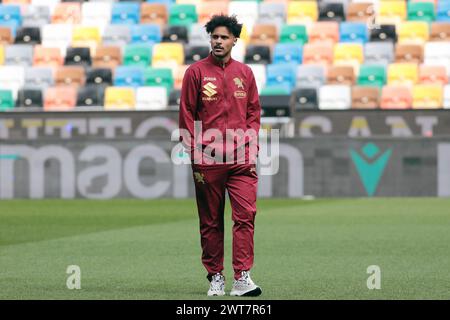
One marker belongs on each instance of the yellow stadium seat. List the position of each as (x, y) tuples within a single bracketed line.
[(391, 12), (427, 96), (403, 74), (349, 54), (119, 98), (2, 55), (84, 36), (168, 52), (302, 12), (413, 32)]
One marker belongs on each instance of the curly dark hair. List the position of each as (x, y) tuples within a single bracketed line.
[(230, 22)]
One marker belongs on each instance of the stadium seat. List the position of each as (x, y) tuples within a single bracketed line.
[(19, 54), (175, 34), (28, 35), (119, 98), (293, 33), (391, 12), (206, 9), (35, 16), (38, 77), (12, 78), (255, 54), (421, 11), (10, 15), (83, 36), (334, 97), (155, 13), (238, 52), (6, 35), (99, 76), (364, 97), (443, 11), (379, 52), (264, 34), (301, 12), (272, 13), (331, 11), (67, 12), (168, 52), (2, 55), (427, 96), (70, 76), (246, 12), (402, 74), (182, 14), (51, 4), (125, 13), (396, 97), (137, 55), (178, 74), (344, 75), (129, 76), (321, 53), (349, 54), (78, 56), (324, 32), (174, 100), (90, 96), (198, 35), (360, 12), (96, 14), (29, 98), (287, 53), (304, 98), (193, 53), (281, 74), (259, 72), (310, 75), (372, 75), (116, 35), (159, 77), (6, 100), (353, 32), (107, 57), (437, 53), (60, 98), (433, 74), (145, 33), (151, 98), (57, 35), (440, 31), (446, 102), (409, 53), (413, 32), (385, 32)]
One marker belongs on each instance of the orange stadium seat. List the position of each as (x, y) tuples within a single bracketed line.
[(264, 34), (409, 53), (341, 75), (364, 97), (67, 12), (70, 76), (60, 98), (318, 53), (396, 97), (6, 35), (154, 13), (432, 74), (47, 56), (324, 31), (440, 31), (207, 9), (107, 57)]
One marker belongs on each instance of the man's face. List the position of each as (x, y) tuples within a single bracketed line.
[(222, 42)]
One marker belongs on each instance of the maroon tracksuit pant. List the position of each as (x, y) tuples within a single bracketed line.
[(211, 183)]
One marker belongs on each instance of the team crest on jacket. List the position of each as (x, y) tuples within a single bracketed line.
[(239, 83), (200, 177), (209, 92)]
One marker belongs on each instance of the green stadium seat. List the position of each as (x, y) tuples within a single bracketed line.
[(137, 55), (182, 14), (6, 100), (159, 77), (372, 75), (293, 34), (421, 11)]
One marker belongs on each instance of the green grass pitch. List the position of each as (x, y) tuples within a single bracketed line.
[(132, 249)]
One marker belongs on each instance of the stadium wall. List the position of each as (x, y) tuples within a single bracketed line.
[(100, 155)]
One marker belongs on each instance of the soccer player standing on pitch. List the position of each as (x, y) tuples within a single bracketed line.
[(219, 95)]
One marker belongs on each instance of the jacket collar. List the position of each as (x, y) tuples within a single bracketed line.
[(218, 63)]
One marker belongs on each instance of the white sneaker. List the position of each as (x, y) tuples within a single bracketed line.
[(217, 285), (245, 286)]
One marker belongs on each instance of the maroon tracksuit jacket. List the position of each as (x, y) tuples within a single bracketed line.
[(222, 96)]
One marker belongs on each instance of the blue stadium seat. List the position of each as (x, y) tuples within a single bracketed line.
[(146, 33), (283, 75), (125, 13), (353, 32), (443, 11), (126, 76), (287, 53), (10, 15)]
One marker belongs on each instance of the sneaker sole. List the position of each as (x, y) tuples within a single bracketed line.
[(252, 293)]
